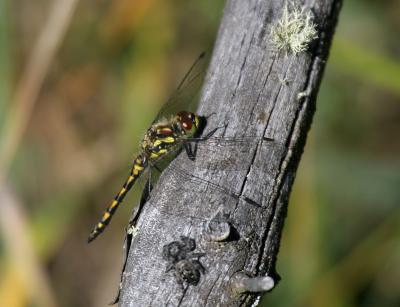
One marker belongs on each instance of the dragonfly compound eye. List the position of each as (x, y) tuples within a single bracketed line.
[(186, 119)]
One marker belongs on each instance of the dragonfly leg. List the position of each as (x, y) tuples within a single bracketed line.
[(207, 136), (189, 151), (147, 189), (208, 116)]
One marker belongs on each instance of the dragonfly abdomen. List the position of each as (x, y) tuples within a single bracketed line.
[(139, 165), (161, 139)]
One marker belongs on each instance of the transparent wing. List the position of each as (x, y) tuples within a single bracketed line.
[(183, 176), (228, 152), (185, 97), (229, 141), (129, 235)]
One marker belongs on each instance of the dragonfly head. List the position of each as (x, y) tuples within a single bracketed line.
[(190, 122)]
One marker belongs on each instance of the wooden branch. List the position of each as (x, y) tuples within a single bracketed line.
[(257, 90)]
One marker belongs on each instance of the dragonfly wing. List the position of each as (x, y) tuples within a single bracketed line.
[(145, 196), (186, 95), (129, 234), (226, 157), (230, 141), (183, 176)]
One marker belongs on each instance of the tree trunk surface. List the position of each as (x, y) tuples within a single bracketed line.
[(237, 187)]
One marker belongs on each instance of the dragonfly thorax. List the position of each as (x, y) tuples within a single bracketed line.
[(164, 136)]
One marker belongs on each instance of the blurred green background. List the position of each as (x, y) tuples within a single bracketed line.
[(81, 80)]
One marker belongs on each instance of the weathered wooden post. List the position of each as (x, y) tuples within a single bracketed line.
[(263, 80)]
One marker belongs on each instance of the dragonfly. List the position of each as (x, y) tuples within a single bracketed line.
[(168, 135)]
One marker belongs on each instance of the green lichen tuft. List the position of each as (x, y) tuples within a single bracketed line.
[(294, 31)]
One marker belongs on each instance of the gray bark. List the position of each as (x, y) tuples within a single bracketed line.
[(257, 91)]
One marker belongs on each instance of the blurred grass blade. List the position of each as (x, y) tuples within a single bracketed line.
[(13, 222), (5, 61), (13, 226), (354, 271), (365, 64), (32, 78)]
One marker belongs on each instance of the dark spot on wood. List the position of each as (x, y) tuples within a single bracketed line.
[(262, 117), (182, 261)]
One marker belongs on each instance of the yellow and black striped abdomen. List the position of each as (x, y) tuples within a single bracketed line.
[(139, 165)]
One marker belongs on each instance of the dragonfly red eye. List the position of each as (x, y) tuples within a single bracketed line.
[(186, 120)]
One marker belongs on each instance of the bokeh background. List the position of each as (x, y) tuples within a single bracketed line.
[(81, 80)]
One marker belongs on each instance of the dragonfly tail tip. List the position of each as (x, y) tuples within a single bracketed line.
[(92, 236)]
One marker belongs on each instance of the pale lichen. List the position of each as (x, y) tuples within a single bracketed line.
[(295, 30), (133, 231), (302, 95)]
